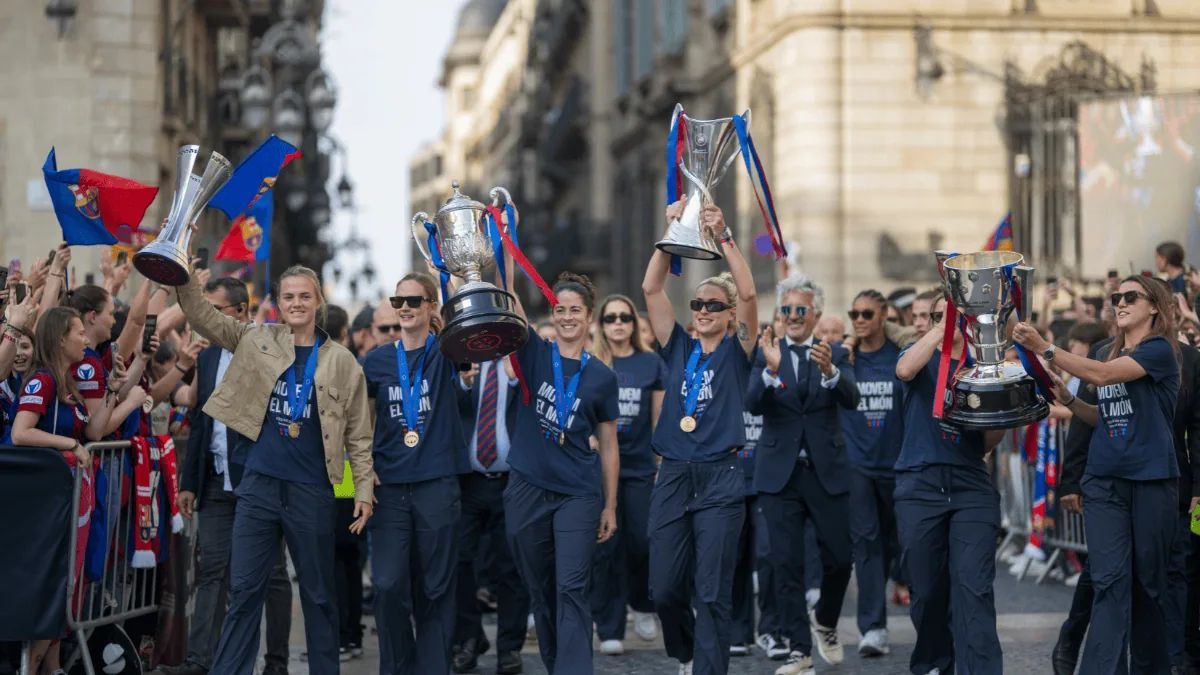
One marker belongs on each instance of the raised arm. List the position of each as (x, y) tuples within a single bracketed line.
[(220, 329), (658, 305), (55, 280), (131, 335), (917, 356), (743, 279)]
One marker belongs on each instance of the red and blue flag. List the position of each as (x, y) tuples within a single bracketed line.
[(1002, 238), (249, 239), (254, 177), (93, 207)]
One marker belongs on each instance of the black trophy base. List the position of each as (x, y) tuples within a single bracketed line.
[(685, 251), (164, 264), (1001, 405), (481, 325)]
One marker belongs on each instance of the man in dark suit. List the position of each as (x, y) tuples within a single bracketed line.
[(489, 414), (211, 469), (801, 469)]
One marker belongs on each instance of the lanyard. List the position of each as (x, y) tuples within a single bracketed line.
[(692, 377), (298, 398), (410, 388), (564, 399)]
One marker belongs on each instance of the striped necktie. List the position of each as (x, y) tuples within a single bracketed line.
[(485, 428)]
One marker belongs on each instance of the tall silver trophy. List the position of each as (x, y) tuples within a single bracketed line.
[(165, 260), (707, 149), (481, 321), (994, 393)]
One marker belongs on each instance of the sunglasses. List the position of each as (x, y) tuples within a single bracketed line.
[(1129, 297), (710, 305), (799, 310), (413, 301), (936, 317), (866, 314), (892, 319), (623, 317), (388, 328)]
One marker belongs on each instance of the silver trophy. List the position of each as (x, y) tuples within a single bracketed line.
[(481, 322), (994, 393), (710, 147), (165, 260)]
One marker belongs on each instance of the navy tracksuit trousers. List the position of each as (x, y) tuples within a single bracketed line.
[(620, 573), (696, 514), (948, 518), (552, 536), (1130, 528), (304, 514), (414, 556)]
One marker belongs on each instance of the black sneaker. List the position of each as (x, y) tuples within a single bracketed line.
[(509, 663), (466, 655)]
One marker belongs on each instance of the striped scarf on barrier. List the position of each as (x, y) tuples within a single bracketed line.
[(154, 465), (1045, 482)]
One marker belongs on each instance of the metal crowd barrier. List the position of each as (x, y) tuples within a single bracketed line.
[(122, 592), (1014, 479)]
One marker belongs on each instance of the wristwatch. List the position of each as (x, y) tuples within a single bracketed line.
[(1049, 353)]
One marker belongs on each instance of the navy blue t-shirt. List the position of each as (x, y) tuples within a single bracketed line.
[(638, 377), (721, 402), (275, 454), (1134, 438), (441, 450), (572, 468), (753, 425), (875, 430), (929, 441)]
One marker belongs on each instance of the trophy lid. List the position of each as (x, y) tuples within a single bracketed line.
[(458, 201)]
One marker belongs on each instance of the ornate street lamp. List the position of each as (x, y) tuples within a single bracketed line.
[(345, 190), (321, 95), (256, 97), (289, 117)]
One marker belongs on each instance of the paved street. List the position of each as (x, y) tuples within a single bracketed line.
[(1029, 617)]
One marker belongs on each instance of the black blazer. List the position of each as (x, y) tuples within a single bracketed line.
[(194, 473), (1186, 431), (468, 407), (802, 415)]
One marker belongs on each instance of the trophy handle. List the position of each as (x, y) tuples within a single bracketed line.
[(419, 234), (496, 193), (1023, 277)]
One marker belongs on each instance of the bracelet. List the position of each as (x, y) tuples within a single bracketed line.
[(61, 275), (181, 369), (1067, 404)]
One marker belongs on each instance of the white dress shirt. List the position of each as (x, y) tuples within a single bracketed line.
[(503, 386), (785, 346), (220, 436)]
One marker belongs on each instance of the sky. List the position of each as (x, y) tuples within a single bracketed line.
[(385, 56)]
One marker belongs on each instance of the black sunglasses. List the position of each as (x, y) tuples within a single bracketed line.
[(388, 328), (623, 317), (936, 317), (892, 319), (866, 314), (799, 310), (1129, 297), (710, 305), (413, 301)]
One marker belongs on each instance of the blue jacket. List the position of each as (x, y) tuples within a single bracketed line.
[(801, 415)]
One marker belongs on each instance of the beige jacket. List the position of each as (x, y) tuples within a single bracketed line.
[(260, 355)]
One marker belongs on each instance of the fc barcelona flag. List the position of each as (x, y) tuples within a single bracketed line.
[(1002, 238), (254, 177), (250, 237), (94, 207)]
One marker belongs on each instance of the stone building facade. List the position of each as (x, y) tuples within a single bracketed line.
[(888, 128)]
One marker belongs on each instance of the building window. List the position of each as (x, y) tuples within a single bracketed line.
[(644, 30), (673, 23), (621, 46)]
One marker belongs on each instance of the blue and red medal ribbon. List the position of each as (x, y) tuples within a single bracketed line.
[(436, 254), (1031, 363), (762, 189)]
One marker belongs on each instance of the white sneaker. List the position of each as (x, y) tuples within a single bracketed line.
[(797, 664), (644, 626), (612, 648), (775, 647), (826, 640), (530, 630), (874, 643), (739, 650), (812, 596), (685, 668)]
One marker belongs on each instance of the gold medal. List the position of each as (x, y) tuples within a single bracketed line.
[(294, 430), (562, 438), (688, 424), (411, 439)]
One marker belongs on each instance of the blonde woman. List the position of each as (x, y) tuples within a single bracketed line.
[(301, 400)]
